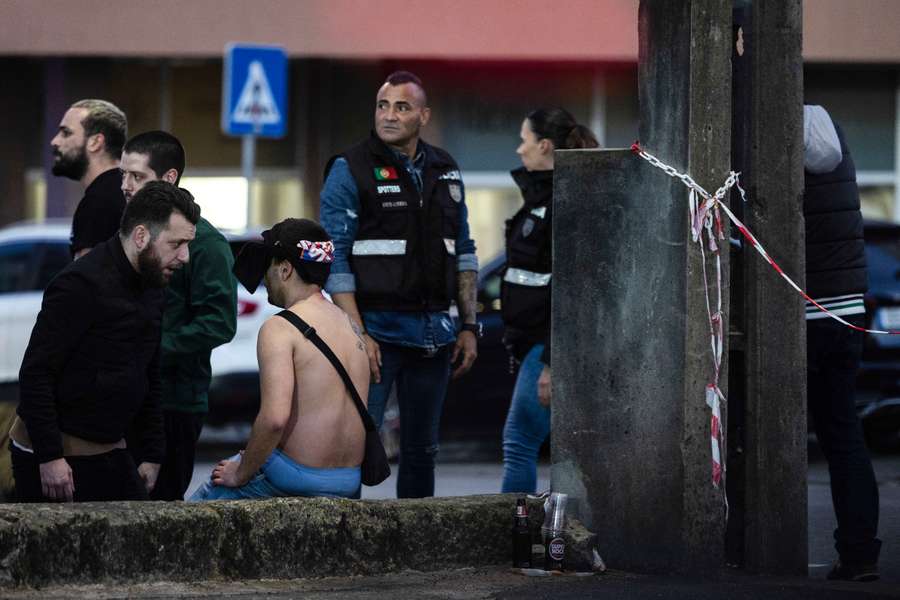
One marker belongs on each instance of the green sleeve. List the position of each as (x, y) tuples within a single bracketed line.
[(213, 301)]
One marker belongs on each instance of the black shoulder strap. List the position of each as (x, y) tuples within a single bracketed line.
[(307, 330)]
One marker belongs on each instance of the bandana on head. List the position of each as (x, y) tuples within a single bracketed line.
[(321, 252), (255, 257)]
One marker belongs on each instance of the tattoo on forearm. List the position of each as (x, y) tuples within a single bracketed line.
[(468, 289), (360, 343)]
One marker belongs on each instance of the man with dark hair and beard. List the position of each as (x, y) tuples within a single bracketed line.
[(87, 148), (91, 369)]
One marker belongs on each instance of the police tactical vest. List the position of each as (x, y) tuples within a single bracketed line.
[(835, 248), (525, 290), (404, 255)]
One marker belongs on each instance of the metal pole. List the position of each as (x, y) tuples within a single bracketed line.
[(897, 154), (248, 158)]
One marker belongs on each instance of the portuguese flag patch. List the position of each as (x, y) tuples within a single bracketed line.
[(385, 173)]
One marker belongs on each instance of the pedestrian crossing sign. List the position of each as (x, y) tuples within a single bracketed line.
[(254, 91)]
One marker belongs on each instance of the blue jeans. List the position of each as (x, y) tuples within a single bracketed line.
[(421, 388), (527, 426), (280, 477), (833, 354)]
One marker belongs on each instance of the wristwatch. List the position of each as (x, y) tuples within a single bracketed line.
[(475, 328)]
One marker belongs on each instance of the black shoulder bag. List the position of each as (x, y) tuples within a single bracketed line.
[(374, 468)]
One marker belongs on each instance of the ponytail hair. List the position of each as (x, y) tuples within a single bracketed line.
[(560, 127)]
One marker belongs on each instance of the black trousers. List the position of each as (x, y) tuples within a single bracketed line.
[(182, 432), (833, 354), (102, 477)]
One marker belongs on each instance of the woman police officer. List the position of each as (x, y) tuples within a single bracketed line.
[(525, 291)]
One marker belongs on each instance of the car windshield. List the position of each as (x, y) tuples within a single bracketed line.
[(883, 258), (29, 266)]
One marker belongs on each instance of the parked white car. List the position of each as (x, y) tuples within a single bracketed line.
[(32, 253)]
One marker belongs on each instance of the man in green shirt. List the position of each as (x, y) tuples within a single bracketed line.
[(200, 314)]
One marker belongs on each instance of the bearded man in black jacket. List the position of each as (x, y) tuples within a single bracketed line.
[(91, 370)]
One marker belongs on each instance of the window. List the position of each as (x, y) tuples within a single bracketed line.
[(16, 272), (29, 266)]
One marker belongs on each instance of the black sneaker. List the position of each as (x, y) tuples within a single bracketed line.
[(845, 572)]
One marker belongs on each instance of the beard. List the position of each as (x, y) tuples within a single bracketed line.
[(151, 269), (72, 166)]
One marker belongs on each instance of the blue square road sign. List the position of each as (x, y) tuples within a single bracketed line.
[(254, 91)]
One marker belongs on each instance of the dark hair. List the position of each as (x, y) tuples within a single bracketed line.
[(163, 150), (106, 118), (560, 127), (153, 205), (401, 77), (288, 233)]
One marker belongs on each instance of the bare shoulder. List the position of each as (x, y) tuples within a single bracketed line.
[(276, 331)]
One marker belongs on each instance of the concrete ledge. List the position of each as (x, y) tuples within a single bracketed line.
[(281, 538)]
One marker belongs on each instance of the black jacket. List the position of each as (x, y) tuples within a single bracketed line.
[(92, 364), (835, 248), (404, 256), (526, 286)]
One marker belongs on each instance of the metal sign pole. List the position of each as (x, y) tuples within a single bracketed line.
[(254, 102), (248, 158)]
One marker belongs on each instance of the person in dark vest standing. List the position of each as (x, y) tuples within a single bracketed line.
[(836, 278), (525, 290), (395, 208), (87, 148)]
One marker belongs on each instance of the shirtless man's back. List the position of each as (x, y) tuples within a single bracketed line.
[(324, 428), (308, 438)]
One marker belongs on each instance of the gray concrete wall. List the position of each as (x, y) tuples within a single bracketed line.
[(619, 354), (42, 544), (631, 349)]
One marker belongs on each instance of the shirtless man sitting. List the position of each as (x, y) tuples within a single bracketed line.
[(308, 438)]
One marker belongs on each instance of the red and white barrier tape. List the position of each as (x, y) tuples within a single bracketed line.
[(715, 201), (706, 216)]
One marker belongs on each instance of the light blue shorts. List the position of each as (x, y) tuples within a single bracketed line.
[(280, 476)]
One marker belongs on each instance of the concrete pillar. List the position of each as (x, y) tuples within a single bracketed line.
[(775, 524), (631, 353)]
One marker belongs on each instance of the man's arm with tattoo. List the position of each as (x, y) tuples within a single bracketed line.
[(466, 342)]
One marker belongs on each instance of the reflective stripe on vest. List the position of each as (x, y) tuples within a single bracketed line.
[(523, 277), (379, 247), (451, 246)]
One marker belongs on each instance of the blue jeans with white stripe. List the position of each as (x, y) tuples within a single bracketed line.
[(527, 426)]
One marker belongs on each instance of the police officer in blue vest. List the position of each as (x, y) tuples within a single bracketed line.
[(395, 208)]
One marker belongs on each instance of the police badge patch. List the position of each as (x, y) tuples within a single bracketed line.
[(455, 191), (527, 227)]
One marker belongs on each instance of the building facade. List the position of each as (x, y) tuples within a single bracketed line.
[(485, 65)]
